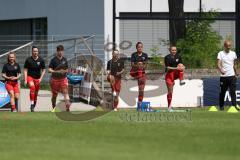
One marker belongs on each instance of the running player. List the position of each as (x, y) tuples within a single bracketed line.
[(59, 82), (34, 70), (115, 69), (11, 72), (174, 70), (139, 61)]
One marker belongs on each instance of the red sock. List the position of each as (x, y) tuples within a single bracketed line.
[(32, 93), (140, 98), (169, 98), (13, 107)]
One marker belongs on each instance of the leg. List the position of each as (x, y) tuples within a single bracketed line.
[(64, 89), (54, 99), (169, 95), (170, 77), (133, 72), (141, 86), (10, 89), (116, 100), (54, 88), (16, 100), (181, 76), (16, 94), (32, 95), (117, 86), (232, 88), (12, 100), (223, 89), (37, 88), (111, 80)]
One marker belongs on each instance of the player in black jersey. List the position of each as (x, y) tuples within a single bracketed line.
[(11, 72), (115, 69), (34, 70), (58, 67), (139, 61), (174, 70)]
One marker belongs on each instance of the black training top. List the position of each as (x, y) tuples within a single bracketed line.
[(34, 67), (58, 64), (136, 58), (172, 60), (115, 66), (11, 70)]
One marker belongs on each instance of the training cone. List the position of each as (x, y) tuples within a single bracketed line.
[(232, 109), (213, 109), (54, 110)]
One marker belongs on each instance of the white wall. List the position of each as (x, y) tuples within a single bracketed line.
[(187, 95)]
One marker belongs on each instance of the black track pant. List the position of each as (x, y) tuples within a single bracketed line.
[(225, 83)]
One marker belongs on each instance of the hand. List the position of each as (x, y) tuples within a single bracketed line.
[(140, 65), (236, 75), (58, 71), (180, 67), (222, 71), (13, 78), (118, 73)]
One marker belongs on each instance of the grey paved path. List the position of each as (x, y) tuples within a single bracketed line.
[(44, 102)]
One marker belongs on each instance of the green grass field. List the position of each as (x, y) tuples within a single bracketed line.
[(43, 136)]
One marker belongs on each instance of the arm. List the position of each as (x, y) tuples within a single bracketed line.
[(171, 68), (50, 70), (119, 73), (219, 66), (6, 77), (108, 68), (25, 71), (43, 73), (133, 63), (18, 76), (167, 65), (121, 67), (235, 67)]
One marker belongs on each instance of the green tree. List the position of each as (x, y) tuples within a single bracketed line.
[(201, 44)]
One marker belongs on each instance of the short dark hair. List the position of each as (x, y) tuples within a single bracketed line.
[(34, 47), (138, 44), (60, 48)]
